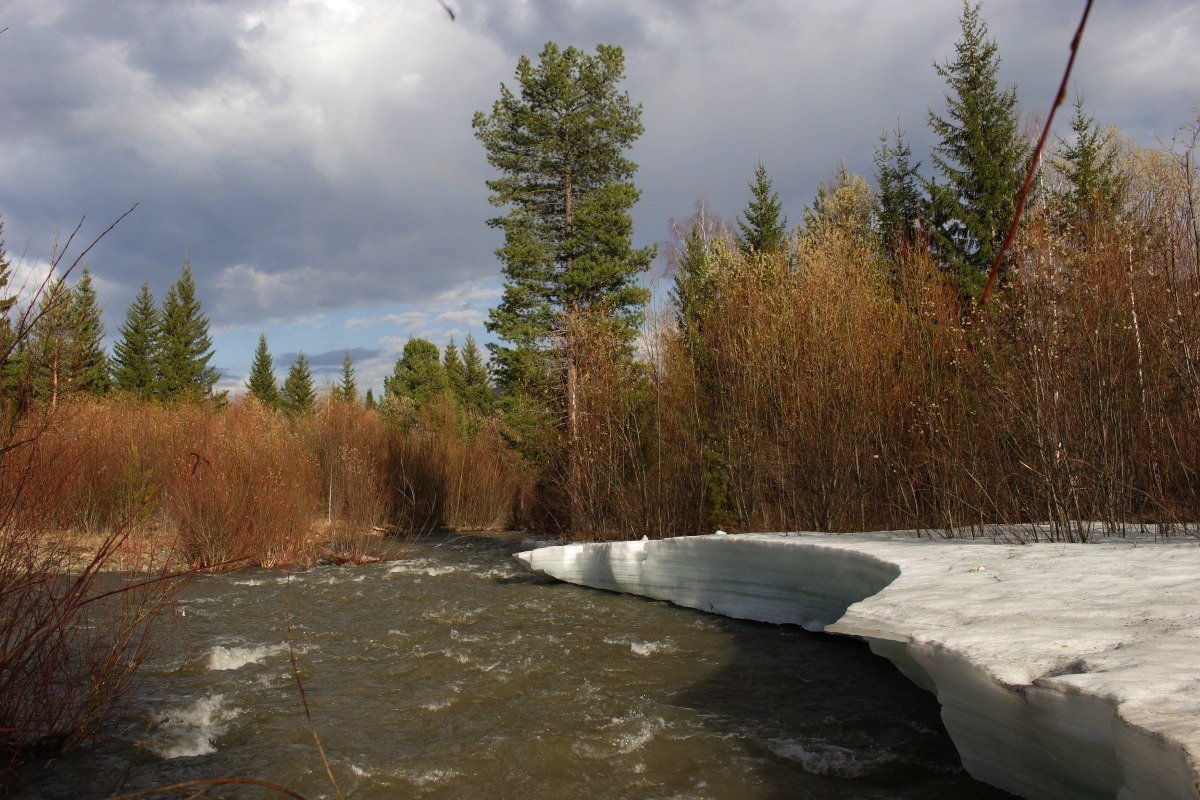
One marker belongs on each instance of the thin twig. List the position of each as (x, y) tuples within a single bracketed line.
[(312, 727), (1059, 98)]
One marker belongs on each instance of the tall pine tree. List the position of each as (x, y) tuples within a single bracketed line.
[(135, 354), (90, 367), (453, 367), (49, 355), (898, 198), (261, 382), (1088, 161), (559, 146), (476, 378), (12, 369), (8, 298), (979, 156), (418, 374), (185, 348), (299, 393), (568, 253), (762, 227), (347, 390)]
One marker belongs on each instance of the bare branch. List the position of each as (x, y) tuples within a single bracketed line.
[(1059, 98)]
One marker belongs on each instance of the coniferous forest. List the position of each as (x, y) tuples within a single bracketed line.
[(835, 369)]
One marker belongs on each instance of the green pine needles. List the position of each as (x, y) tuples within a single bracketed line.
[(762, 227), (558, 143), (165, 354), (980, 158), (299, 395), (261, 382)]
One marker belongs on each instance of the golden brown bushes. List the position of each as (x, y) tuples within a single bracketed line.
[(447, 472), (248, 489)]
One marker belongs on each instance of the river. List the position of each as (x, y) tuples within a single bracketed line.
[(451, 673)]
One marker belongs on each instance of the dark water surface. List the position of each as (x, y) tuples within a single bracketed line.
[(451, 673)]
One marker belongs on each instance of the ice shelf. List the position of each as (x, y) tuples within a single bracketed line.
[(1062, 670)]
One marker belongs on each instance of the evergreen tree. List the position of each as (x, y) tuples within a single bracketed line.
[(135, 354), (1088, 162), (692, 257), (692, 290), (476, 379), (898, 199), (762, 228), (980, 157), (369, 402), (559, 148), (455, 376), (89, 362), (7, 298), (261, 383), (185, 348), (299, 393), (418, 374), (12, 367), (348, 389), (48, 357)]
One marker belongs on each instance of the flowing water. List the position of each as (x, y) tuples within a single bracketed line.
[(451, 673)]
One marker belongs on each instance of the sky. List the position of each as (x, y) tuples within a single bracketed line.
[(314, 161)]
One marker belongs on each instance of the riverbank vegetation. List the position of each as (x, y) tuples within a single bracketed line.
[(838, 373)]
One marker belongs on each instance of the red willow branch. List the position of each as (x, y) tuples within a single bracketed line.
[(994, 270)]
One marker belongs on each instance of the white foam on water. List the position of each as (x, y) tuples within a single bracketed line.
[(650, 648), (193, 730), (421, 566), (438, 705), (624, 735), (647, 648), (429, 777), (820, 758), (227, 658)]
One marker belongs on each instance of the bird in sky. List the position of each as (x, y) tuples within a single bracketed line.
[(449, 10)]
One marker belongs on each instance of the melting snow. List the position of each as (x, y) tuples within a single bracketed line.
[(1063, 670)]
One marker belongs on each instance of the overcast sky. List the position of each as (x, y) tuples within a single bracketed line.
[(314, 159)]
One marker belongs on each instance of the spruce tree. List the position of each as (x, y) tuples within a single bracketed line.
[(898, 197), (12, 369), (347, 390), (559, 145), (261, 383), (185, 348), (49, 355), (299, 393), (369, 401), (89, 367), (455, 376), (979, 157), (476, 378), (762, 227), (1088, 161), (7, 297), (135, 354), (418, 374)]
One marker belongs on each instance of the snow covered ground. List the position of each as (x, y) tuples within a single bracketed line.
[(1063, 670)]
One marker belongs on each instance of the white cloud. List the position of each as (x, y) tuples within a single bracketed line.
[(315, 160)]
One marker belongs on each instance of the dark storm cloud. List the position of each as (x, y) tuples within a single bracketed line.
[(317, 157), (331, 360)]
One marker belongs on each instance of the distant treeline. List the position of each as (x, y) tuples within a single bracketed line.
[(834, 373)]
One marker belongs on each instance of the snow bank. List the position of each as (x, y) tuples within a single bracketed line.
[(1063, 671)]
